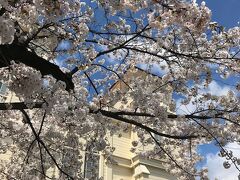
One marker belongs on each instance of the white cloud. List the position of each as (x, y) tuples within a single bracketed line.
[(157, 69), (214, 88), (215, 167), (185, 109)]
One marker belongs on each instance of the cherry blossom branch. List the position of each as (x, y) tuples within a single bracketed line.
[(220, 145), (169, 155), (74, 70), (42, 143), (22, 105), (29, 151), (114, 73), (150, 53), (118, 116), (32, 143), (19, 53), (123, 119), (41, 157), (171, 116), (198, 56), (9, 177), (89, 79), (42, 174), (37, 32), (41, 126), (116, 33)]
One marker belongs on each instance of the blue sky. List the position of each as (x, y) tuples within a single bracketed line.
[(225, 12)]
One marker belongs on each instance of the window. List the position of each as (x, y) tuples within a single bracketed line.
[(157, 137), (91, 166), (91, 163), (3, 89)]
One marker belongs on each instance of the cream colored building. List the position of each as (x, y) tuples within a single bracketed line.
[(128, 166)]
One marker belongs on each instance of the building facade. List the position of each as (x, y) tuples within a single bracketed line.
[(129, 165)]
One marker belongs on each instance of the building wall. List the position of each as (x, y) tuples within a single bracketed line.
[(130, 166)]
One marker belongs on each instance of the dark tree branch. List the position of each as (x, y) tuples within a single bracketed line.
[(18, 106), (108, 69), (123, 119), (2, 11), (41, 126), (169, 156), (118, 115), (29, 151), (21, 54), (42, 174), (39, 140), (41, 158), (123, 44), (21, 105), (89, 79)]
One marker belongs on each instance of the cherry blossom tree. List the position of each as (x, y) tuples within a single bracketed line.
[(62, 100)]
